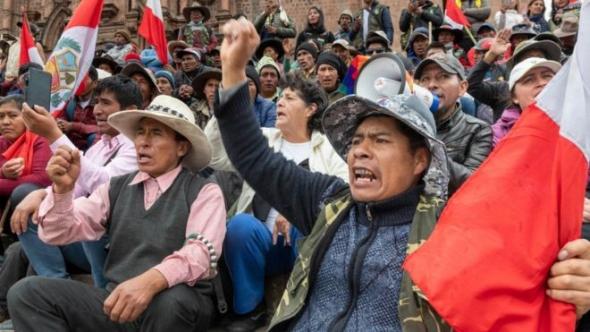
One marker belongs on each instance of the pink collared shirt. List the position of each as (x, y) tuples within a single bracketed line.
[(93, 171), (63, 220)]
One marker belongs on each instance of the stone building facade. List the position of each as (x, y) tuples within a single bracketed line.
[(52, 16)]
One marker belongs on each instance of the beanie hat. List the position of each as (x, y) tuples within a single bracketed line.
[(167, 75), (267, 61), (308, 47), (331, 59), (252, 74)]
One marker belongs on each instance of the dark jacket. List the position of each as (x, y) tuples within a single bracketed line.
[(186, 78), (379, 19), (492, 93), (408, 22), (305, 198), (468, 141), (285, 29)]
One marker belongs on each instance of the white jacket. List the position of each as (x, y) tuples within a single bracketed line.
[(323, 158)]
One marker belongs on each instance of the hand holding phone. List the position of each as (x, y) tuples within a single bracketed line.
[(38, 88)]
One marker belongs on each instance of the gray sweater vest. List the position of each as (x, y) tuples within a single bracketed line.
[(140, 239)]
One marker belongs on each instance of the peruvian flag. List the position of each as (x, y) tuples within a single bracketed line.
[(485, 266), (73, 53), (28, 49), (152, 28), (455, 17)]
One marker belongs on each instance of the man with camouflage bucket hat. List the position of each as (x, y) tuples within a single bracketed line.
[(349, 269)]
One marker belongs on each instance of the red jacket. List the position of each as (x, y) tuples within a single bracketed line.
[(38, 176)]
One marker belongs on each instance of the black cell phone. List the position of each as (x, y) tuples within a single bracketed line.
[(38, 88)]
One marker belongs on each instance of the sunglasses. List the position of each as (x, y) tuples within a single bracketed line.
[(375, 51)]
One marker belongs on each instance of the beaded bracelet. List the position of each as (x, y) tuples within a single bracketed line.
[(212, 254)]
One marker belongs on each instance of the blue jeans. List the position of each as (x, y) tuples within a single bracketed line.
[(251, 256), (50, 261)]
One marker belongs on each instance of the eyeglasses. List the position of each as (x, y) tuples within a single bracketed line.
[(375, 51)]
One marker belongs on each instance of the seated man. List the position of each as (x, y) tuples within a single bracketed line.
[(468, 139), (145, 79), (111, 156), (23, 155), (252, 248), (266, 110), (270, 74), (348, 275), (158, 256), (330, 71), (77, 121), (204, 86)]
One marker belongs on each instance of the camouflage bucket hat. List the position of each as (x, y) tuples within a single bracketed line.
[(342, 118)]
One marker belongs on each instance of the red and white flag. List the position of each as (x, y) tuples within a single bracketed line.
[(455, 17), (152, 28), (485, 266), (28, 50), (73, 53)]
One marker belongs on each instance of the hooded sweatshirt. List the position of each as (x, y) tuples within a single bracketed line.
[(505, 123)]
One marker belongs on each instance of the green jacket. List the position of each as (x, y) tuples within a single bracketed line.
[(285, 28), (375, 24), (414, 312)]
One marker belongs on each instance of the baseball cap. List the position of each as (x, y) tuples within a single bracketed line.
[(447, 62), (522, 68)]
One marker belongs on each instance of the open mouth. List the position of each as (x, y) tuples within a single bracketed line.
[(143, 158), (363, 175)]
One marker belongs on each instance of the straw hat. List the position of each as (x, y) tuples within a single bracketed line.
[(174, 114)]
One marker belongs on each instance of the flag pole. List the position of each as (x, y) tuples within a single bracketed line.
[(468, 30)]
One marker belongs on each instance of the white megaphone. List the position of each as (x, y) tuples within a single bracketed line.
[(384, 76)]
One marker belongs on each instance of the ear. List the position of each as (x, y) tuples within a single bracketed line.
[(463, 85), (421, 160), (183, 148), (311, 109)]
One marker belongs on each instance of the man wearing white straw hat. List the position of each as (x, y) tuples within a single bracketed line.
[(165, 223)]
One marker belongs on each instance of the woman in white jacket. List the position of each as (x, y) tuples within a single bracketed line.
[(259, 241)]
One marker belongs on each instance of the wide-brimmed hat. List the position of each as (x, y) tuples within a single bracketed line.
[(522, 68), (342, 118), (275, 43), (174, 114), (551, 50), (186, 12), (569, 25), (108, 60), (199, 82), (123, 33), (445, 27), (135, 67), (176, 44), (548, 35)]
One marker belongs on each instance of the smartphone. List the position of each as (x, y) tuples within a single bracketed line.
[(38, 88)]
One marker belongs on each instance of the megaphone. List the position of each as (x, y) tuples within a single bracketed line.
[(384, 76)]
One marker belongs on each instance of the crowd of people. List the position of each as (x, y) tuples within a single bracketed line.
[(188, 190)]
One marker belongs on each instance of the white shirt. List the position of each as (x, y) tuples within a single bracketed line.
[(297, 152)]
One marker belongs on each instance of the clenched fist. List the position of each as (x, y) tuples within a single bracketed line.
[(63, 169)]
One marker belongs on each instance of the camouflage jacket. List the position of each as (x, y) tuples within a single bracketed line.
[(285, 26), (414, 312)]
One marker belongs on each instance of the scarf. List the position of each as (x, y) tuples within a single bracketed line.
[(23, 148)]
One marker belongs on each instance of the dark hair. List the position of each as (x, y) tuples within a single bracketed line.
[(311, 93), (92, 73), (320, 28), (124, 89), (18, 100), (435, 44), (26, 67)]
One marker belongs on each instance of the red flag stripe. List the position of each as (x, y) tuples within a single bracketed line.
[(153, 30)]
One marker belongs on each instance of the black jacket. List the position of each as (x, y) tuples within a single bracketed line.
[(468, 141), (496, 94)]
